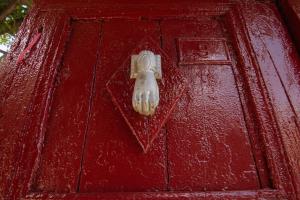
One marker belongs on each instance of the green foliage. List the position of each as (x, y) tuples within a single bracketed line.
[(6, 39), (10, 24)]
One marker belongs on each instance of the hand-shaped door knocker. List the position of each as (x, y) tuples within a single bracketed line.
[(145, 68)]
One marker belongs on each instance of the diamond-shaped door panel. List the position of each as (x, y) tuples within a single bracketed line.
[(171, 87)]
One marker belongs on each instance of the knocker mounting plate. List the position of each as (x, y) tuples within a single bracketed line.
[(171, 86)]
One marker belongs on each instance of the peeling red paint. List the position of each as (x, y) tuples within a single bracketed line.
[(28, 49), (171, 88), (233, 134)]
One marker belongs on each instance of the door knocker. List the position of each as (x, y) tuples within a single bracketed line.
[(145, 102), (145, 68)]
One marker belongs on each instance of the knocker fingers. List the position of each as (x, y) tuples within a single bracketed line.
[(146, 103), (152, 102)]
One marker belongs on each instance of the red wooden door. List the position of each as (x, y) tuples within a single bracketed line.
[(233, 133)]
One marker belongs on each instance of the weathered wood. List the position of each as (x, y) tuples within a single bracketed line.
[(234, 133)]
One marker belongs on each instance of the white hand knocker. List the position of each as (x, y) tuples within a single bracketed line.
[(145, 68)]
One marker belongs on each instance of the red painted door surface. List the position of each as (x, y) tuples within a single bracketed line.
[(233, 133)]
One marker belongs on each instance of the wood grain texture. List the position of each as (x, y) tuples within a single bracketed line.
[(17, 92), (59, 166), (208, 142), (234, 133), (111, 147), (279, 67)]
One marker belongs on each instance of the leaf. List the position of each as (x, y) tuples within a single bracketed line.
[(11, 23)]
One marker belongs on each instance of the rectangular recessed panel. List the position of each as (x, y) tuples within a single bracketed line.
[(208, 144), (204, 146), (114, 161), (64, 138), (193, 50)]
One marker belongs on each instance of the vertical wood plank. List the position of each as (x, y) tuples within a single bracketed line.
[(64, 138), (208, 141), (279, 66), (16, 92), (113, 160)]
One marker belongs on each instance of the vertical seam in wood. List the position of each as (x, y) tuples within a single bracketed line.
[(269, 109), (166, 152), (283, 86), (48, 99), (248, 118), (167, 164), (252, 151), (268, 102), (92, 94), (27, 124)]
